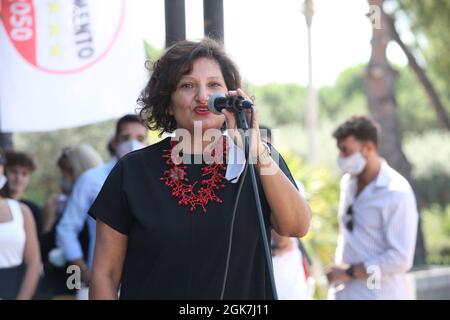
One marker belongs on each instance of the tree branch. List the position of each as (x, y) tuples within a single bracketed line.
[(441, 113)]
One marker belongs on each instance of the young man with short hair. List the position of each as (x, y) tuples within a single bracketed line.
[(378, 219)]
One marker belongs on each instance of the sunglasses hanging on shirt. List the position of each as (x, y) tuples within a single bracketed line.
[(349, 223)]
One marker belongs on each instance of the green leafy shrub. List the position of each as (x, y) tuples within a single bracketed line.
[(429, 155), (322, 192), (436, 227)]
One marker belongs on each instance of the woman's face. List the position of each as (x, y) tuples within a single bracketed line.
[(189, 101), (18, 179)]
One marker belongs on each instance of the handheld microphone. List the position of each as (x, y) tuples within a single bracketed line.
[(218, 101)]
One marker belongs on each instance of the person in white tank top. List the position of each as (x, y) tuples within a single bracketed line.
[(20, 258)]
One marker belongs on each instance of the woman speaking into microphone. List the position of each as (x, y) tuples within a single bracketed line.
[(167, 228)]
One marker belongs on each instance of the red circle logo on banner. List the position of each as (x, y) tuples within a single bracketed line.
[(60, 36)]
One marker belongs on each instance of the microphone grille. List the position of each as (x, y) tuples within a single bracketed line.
[(212, 102)]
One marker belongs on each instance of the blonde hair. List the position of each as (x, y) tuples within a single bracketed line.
[(78, 159)]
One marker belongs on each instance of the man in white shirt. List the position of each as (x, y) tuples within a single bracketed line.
[(378, 219)]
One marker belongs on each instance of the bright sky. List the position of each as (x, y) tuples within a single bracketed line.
[(268, 38)]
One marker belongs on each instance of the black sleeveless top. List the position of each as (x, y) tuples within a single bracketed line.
[(174, 253)]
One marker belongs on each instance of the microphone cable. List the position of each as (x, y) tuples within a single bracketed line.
[(233, 215), (261, 220)]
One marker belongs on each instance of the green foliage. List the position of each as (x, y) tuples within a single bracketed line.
[(322, 192), (436, 227), (279, 104), (428, 21), (429, 155), (416, 114), (346, 97), (432, 20), (152, 52)]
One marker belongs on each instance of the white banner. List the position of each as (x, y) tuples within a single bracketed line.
[(66, 63)]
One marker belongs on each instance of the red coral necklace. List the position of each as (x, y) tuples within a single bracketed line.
[(212, 174)]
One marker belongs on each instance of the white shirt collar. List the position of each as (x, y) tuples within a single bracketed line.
[(382, 180), (236, 161), (384, 177)]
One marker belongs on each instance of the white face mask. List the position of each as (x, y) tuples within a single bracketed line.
[(128, 146), (353, 164), (3, 181)]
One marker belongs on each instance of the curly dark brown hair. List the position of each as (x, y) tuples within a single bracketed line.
[(167, 71), (363, 128)]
